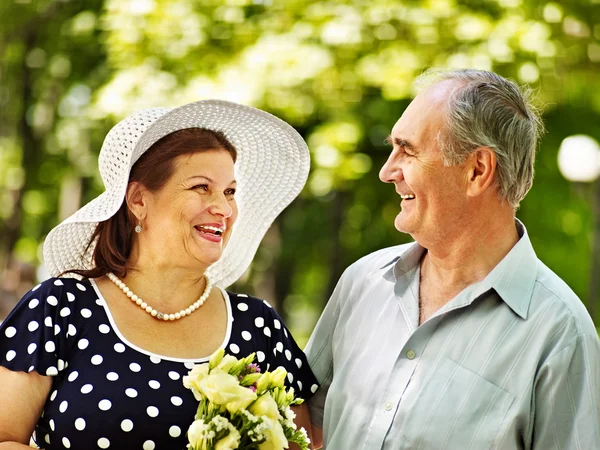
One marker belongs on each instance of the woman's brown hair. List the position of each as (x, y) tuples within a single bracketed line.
[(153, 169)]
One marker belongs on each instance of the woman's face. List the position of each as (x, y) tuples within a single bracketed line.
[(188, 221)]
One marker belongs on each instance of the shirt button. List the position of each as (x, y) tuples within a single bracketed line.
[(411, 354), (388, 406)]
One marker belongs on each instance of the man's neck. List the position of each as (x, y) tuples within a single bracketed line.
[(464, 259)]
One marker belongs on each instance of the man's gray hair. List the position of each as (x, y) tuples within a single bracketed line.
[(487, 110)]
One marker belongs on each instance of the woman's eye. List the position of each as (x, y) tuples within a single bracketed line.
[(230, 192), (201, 187)]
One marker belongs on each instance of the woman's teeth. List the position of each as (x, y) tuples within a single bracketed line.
[(214, 230), (407, 196)]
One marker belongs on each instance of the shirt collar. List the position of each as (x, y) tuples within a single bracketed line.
[(513, 278)]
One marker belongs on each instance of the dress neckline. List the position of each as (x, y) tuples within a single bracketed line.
[(139, 349)]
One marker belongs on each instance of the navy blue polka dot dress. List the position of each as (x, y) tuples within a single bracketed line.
[(107, 393)]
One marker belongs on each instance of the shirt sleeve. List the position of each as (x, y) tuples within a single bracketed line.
[(319, 351), (285, 353), (35, 335), (567, 398)]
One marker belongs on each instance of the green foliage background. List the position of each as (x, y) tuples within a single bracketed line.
[(338, 71)]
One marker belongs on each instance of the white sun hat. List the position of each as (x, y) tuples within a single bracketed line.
[(271, 169)]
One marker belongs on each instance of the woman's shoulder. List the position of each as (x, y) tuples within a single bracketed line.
[(59, 285), (57, 291), (245, 302)]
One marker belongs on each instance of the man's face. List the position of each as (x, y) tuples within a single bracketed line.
[(433, 195)]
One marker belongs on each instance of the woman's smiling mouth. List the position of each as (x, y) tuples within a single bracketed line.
[(210, 232)]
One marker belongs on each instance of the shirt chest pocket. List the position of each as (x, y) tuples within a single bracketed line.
[(455, 409)]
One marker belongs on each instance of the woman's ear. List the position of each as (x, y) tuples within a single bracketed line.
[(482, 165), (137, 200)]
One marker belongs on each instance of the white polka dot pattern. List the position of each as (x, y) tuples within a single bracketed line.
[(127, 425), (105, 405), (10, 332), (131, 393), (106, 378), (112, 376), (80, 424), (50, 346), (119, 348)]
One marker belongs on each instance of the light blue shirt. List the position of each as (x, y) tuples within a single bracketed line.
[(512, 362)]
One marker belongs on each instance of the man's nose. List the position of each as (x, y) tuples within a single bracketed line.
[(391, 171)]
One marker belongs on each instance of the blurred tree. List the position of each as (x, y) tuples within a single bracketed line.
[(339, 71)]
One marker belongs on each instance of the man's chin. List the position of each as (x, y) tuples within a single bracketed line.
[(402, 225)]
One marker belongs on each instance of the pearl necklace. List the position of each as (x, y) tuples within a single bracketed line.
[(153, 312)]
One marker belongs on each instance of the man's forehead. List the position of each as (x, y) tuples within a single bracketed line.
[(425, 110)]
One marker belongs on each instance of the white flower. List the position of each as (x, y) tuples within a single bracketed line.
[(289, 417), (277, 377), (265, 406), (231, 441), (216, 358), (194, 376), (223, 389), (276, 439), (198, 433), (226, 364)]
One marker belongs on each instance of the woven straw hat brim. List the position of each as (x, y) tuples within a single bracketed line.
[(271, 169)]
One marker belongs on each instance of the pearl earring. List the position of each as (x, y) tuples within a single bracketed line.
[(138, 228)]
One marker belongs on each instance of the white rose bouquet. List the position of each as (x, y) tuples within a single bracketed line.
[(240, 407)]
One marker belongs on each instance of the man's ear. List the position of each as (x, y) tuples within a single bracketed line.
[(137, 200), (481, 169)]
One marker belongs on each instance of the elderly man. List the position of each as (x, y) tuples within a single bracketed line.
[(463, 339)]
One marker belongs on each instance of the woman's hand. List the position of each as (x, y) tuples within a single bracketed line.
[(303, 420)]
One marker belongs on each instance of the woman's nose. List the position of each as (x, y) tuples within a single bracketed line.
[(221, 206)]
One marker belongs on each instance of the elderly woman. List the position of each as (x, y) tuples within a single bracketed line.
[(97, 360)]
